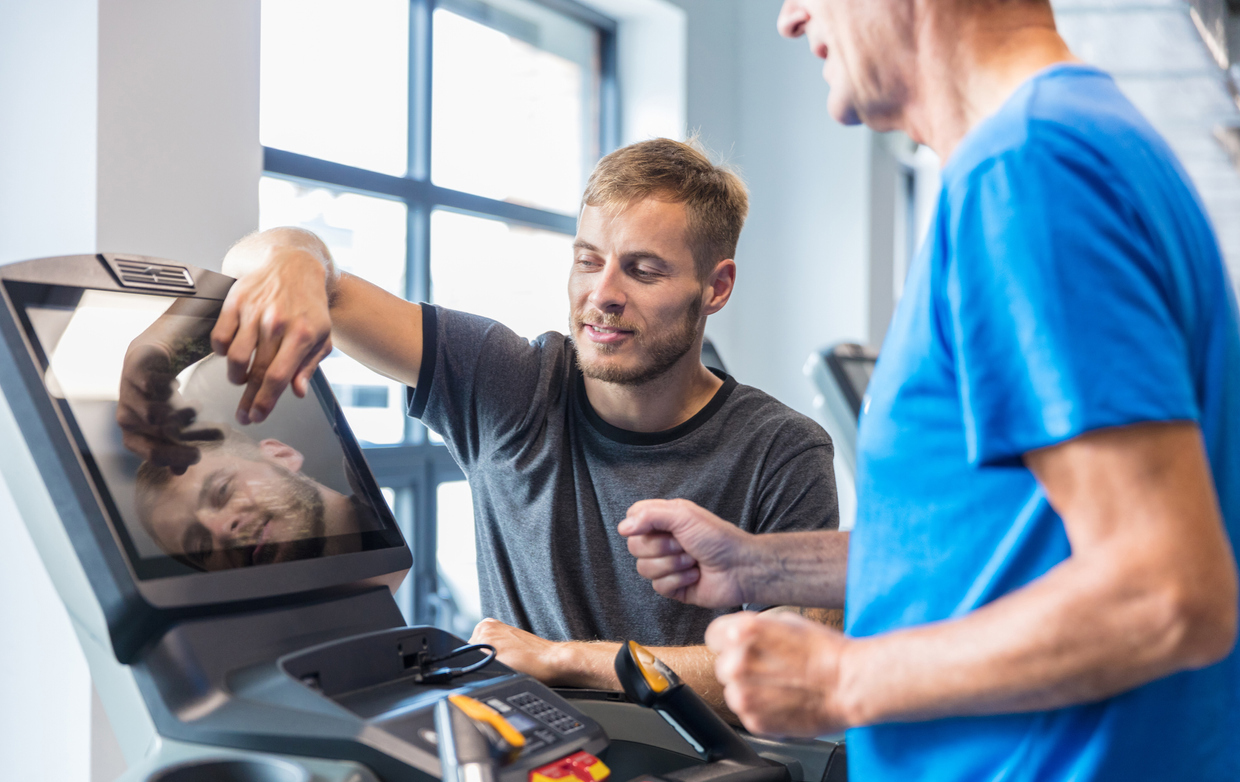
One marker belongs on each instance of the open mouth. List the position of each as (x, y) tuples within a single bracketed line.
[(605, 334), (264, 552)]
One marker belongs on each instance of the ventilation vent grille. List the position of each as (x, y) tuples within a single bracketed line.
[(137, 273)]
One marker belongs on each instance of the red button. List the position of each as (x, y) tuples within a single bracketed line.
[(577, 767)]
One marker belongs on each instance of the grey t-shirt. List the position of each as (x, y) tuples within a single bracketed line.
[(551, 480)]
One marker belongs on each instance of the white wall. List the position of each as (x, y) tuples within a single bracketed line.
[(129, 126), (178, 151), (803, 278), (652, 90), (48, 52)]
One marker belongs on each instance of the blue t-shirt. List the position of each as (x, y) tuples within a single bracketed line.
[(1071, 282)]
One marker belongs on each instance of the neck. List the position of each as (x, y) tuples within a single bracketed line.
[(969, 62), (659, 404)]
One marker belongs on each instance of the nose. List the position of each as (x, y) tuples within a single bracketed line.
[(223, 525), (793, 17), (607, 295)]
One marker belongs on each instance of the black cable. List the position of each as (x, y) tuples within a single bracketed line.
[(447, 673)]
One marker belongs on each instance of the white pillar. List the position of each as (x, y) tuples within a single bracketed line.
[(126, 126)]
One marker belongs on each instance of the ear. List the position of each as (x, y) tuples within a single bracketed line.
[(285, 455), (719, 286)]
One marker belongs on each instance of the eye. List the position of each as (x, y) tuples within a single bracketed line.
[(221, 493)]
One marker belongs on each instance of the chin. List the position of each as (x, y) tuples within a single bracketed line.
[(842, 110)]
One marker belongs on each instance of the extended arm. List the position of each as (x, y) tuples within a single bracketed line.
[(1150, 589), (692, 555), (288, 306), (591, 664)]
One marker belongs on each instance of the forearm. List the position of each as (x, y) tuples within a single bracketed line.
[(183, 332), (1074, 636), (797, 568), (382, 331), (593, 665)]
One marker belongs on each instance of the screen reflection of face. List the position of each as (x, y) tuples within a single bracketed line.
[(242, 504)]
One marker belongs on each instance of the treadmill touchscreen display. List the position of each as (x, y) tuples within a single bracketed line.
[(189, 488), (858, 371)]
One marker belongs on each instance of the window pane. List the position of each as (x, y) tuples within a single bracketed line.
[(514, 102), (366, 237), (334, 81), (516, 275), (457, 555)]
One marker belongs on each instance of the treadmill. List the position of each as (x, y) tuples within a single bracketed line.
[(840, 374), (236, 608)]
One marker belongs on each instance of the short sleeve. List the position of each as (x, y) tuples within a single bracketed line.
[(1058, 308), (800, 495), (480, 384)]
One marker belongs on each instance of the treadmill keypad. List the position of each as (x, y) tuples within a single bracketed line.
[(544, 712)]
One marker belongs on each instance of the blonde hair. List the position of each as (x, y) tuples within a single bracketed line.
[(714, 197)]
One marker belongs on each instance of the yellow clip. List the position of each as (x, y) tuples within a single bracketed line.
[(599, 771), (648, 664), (481, 712)]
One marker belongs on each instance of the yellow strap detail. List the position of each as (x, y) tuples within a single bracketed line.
[(646, 664), (483, 713)]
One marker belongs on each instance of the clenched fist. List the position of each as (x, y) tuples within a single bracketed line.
[(688, 553), (781, 673)]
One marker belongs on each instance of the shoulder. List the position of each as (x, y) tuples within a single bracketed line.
[(459, 328), (753, 415), (1071, 122)]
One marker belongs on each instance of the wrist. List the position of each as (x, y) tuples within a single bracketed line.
[(757, 563), (848, 701), (583, 664)]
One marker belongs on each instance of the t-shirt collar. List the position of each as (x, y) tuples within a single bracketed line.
[(628, 437)]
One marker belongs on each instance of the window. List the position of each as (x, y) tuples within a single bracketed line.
[(433, 144)]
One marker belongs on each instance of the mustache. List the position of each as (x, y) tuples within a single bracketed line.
[(607, 321)]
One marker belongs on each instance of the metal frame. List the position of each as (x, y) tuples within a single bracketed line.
[(416, 467)]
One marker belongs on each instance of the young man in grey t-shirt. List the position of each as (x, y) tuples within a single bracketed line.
[(559, 436)]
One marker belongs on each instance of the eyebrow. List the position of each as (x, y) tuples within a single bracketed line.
[(651, 255)]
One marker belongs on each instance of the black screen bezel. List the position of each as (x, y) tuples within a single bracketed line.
[(168, 582)]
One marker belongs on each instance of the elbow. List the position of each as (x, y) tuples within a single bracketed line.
[(1204, 619)]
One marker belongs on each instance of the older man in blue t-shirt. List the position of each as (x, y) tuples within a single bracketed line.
[(1041, 583)]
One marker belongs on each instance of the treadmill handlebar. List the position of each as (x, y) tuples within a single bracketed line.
[(473, 746), (650, 682)]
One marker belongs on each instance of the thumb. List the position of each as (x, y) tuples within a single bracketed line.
[(652, 516)]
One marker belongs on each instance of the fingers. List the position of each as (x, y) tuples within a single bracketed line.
[(276, 376), (657, 567), (301, 380), (175, 456), (268, 346), (676, 585), (241, 350), (651, 516), (656, 545), (726, 631), (779, 672), (482, 631), (204, 435), (226, 325)]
